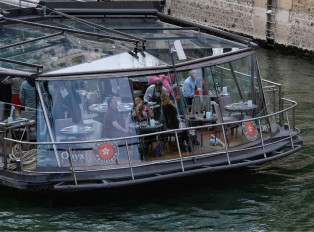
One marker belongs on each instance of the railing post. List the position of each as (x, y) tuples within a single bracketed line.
[(5, 158), (289, 130), (293, 118), (71, 163), (280, 106), (179, 149), (19, 165), (127, 150), (261, 134), (226, 143)]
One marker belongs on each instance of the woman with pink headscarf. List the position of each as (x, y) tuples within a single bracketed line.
[(166, 81)]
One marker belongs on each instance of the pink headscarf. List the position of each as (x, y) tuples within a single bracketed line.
[(166, 80)]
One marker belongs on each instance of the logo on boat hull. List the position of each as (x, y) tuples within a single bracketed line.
[(106, 153), (249, 129)]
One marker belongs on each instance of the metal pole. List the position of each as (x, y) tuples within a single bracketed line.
[(71, 163), (261, 134), (33, 40), (179, 149), (280, 106), (226, 143), (21, 158), (289, 130), (127, 150), (48, 123), (293, 118)]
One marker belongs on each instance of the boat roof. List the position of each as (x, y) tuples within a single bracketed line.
[(67, 37)]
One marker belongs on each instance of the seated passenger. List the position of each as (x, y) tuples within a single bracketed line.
[(152, 94), (169, 111), (201, 91), (170, 119), (140, 111), (113, 121)]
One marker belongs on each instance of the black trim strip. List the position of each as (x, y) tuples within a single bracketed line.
[(21, 63), (238, 38), (32, 40), (70, 30), (204, 62)]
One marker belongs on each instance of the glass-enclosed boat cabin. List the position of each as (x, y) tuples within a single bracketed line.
[(113, 96)]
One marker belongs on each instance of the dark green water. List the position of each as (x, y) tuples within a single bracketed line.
[(278, 196)]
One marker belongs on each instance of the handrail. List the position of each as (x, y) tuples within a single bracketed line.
[(158, 133)]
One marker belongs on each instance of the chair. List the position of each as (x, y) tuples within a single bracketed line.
[(97, 126), (59, 124), (87, 115), (200, 103), (224, 119), (223, 101), (227, 100)]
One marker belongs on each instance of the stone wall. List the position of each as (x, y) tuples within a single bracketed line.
[(294, 19), (302, 24)]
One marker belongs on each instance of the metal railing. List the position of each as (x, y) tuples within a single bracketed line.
[(181, 159)]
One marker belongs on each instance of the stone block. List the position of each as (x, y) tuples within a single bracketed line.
[(284, 4)]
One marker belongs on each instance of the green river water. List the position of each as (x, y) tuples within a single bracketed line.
[(277, 196)]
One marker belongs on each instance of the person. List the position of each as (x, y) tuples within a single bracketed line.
[(113, 121), (170, 112), (140, 111), (189, 86), (152, 94), (28, 94), (15, 83), (201, 91), (66, 102), (180, 102), (166, 80), (170, 117)]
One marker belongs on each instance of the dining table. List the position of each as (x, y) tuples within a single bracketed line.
[(102, 107), (78, 132), (241, 107)]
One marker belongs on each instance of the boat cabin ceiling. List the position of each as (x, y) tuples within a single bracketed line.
[(57, 42)]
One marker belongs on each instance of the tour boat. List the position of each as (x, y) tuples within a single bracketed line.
[(90, 58)]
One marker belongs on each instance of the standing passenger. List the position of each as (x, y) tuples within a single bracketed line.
[(152, 94), (189, 86), (28, 94), (15, 83)]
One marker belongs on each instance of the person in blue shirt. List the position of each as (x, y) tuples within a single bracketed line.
[(189, 86)]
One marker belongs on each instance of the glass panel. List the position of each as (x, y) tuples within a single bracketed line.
[(68, 50), (87, 110)]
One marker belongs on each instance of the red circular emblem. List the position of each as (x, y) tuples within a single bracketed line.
[(106, 153), (250, 129)]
